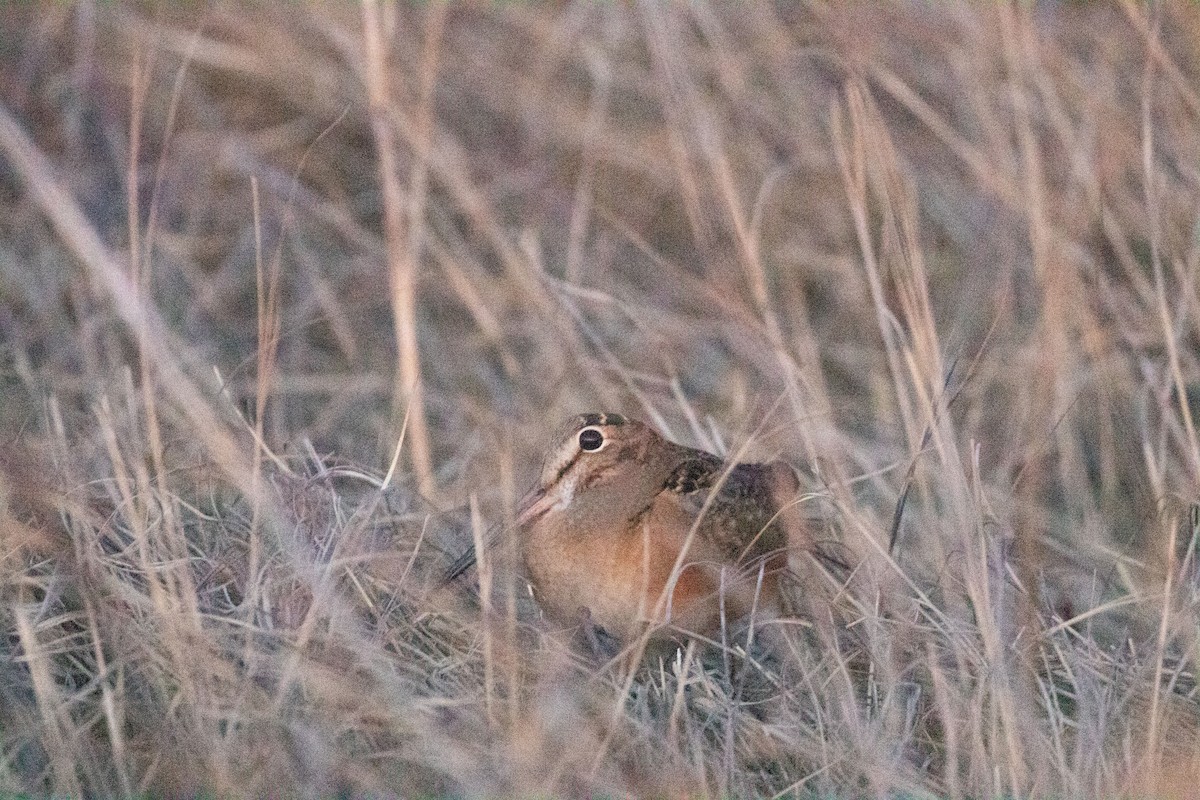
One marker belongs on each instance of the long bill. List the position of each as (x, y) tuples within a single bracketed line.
[(532, 506), (536, 502)]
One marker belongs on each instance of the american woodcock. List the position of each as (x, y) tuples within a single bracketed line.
[(626, 530)]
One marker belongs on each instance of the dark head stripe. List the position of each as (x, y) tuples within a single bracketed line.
[(566, 466), (580, 422), (600, 419)]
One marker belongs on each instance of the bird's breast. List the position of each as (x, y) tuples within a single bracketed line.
[(631, 575)]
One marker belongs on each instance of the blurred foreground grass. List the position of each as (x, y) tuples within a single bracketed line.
[(248, 253)]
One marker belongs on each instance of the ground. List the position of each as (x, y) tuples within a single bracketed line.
[(292, 297)]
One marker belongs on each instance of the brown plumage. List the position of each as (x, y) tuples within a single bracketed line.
[(603, 530)]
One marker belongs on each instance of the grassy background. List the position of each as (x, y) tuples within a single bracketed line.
[(250, 253)]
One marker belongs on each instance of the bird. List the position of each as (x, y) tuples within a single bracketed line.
[(628, 533)]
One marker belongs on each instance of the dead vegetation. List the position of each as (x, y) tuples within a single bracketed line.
[(292, 296)]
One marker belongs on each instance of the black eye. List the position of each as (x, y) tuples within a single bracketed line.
[(590, 439)]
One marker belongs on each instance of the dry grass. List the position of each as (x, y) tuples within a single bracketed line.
[(291, 296)]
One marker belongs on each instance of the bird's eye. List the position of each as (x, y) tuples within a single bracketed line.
[(591, 440)]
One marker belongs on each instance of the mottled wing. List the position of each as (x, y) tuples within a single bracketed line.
[(740, 505)]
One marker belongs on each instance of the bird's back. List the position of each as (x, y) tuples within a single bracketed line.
[(746, 511)]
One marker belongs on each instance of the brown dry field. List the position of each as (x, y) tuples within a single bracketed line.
[(292, 296)]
